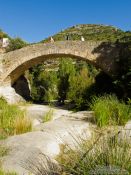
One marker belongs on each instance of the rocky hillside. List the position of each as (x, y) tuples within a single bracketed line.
[(92, 32), (89, 32)]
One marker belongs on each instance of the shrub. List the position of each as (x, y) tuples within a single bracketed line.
[(16, 43), (108, 110)]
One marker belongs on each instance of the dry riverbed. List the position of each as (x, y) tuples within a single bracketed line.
[(46, 137)]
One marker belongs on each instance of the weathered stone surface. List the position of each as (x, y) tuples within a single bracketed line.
[(125, 133), (38, 112), (48, 137), (102, 55), (35, 111), (46, 140), (9, 94)]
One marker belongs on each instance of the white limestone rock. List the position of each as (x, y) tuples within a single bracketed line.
[(47, 139), (9, 94)]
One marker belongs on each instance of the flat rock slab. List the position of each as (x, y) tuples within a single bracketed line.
[(47, 139), (38, 112), (35, 111)]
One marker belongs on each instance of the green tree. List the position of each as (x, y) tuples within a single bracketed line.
[(123, 80), (78, 85), (48, 85), (43, 84), (34, 82), (66, 69)]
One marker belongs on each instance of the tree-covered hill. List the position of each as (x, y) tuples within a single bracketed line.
[(92, 32), (88, 31)]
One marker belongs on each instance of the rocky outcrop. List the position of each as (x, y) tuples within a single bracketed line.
[(46, 140), (9, 94)]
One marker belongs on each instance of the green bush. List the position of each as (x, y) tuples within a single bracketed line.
[(16, 43), (43, 84), (78, 85), (66, 70), (109, 110)]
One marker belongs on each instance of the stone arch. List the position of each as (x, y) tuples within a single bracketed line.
[(102, 55), (19, 71)]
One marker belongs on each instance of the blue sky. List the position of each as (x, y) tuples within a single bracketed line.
[(34, 20)]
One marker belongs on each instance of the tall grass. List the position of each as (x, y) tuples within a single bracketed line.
[(2, 172), (38, 163), (3, 151), (48, 116), (13, 120), (102, 156), (110, 111), (22, 125)]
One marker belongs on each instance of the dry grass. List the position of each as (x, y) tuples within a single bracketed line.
[(103, 155), (48, 116), (22, 125)]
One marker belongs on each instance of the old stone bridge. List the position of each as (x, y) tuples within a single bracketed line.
[(13, 64)]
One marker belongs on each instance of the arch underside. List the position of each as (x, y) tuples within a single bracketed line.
[(15, 74)]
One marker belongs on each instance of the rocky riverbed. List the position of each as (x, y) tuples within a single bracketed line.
[(47, 137)]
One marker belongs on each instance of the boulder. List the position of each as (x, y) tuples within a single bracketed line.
[(9, 94)]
